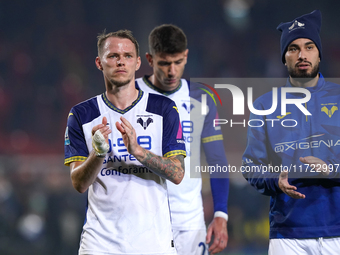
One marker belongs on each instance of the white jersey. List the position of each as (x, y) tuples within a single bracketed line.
[(185, 199), (128, 211)]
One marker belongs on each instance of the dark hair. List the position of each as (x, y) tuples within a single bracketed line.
[(167, 38), (120, 34)]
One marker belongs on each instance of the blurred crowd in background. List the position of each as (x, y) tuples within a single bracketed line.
[(47, 53)]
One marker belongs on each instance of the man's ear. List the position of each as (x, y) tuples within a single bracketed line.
[(186, 53), (139, 62), (149, 59), (99, 64)]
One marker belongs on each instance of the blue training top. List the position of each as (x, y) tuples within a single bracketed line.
[(280, 145)]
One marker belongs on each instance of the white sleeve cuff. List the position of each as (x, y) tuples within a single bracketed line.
[(221, 214)]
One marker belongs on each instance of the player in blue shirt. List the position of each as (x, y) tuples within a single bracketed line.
[(168, 56), (303, 152), (121, 146)]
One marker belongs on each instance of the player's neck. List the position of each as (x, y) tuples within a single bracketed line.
[(122, 97), (159, 85), (154, 81), (303, 82)]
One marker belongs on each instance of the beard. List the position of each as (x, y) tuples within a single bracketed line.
[(302, 75), (120, 83)]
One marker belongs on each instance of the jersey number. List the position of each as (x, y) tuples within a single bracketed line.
[(143, 140), (188, 128), (202, 244)]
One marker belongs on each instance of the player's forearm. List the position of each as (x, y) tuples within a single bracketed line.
[(266, 184), (171, 168), (83, 174)]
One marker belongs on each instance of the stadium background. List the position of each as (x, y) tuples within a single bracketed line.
[(47, 52)]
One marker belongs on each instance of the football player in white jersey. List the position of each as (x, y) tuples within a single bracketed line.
[(168, 56), (121, 146)]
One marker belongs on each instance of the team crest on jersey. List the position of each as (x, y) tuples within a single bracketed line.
[(144, 120), (329, 109), (188, 107)]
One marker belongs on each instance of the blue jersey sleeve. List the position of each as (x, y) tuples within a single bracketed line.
[(220, 193), (256, 156), (75, 144), (219, 182), (212, 141)]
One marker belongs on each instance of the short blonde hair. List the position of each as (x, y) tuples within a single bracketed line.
[(120, 34)]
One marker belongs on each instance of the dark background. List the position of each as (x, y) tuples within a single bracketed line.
[(47, 53)]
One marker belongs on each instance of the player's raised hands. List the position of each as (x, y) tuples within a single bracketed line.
[(288, 189), (170, 168), (100, 142), (104, 129), (128, 134), (84, 173)]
